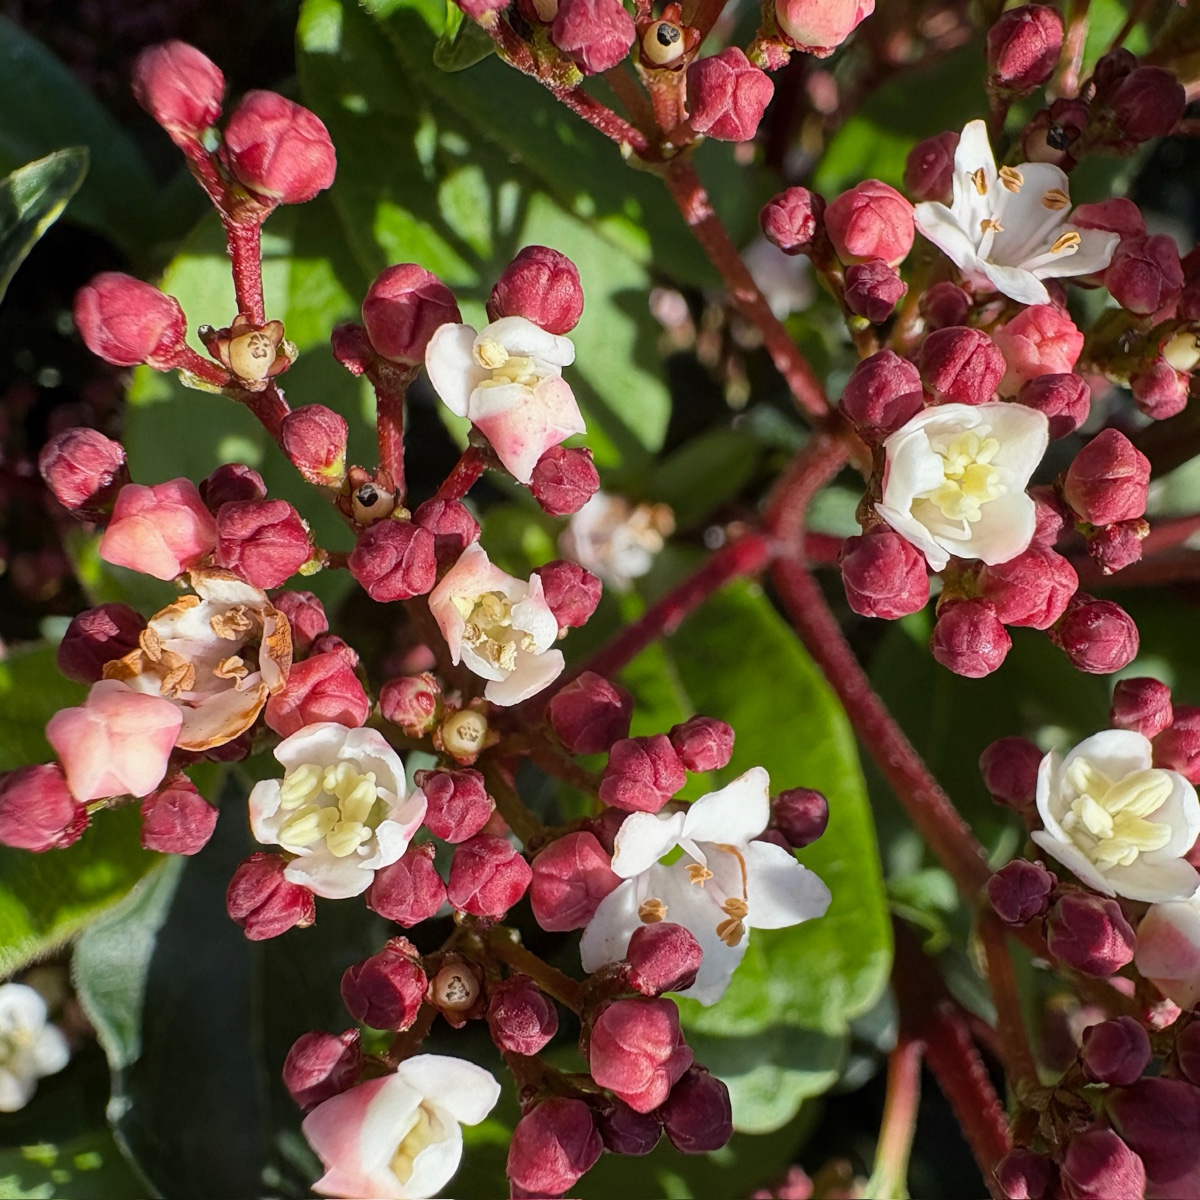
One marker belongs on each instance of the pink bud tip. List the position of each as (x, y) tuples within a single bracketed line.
[(637, 1051), (541, 285), (263, 902), (263, 541), (84, 469), (1143, 705), (1009, 767), (595, 34), (571, 592), (410, 890), (278, 149), (1039, 340), (962, 365), (884, 575), (37, 811), (176, 819), (1090, 934), (305, 615), (663, 957), (180, 87), (1030, 590), (1024, 1175), (321, 688), (229, 483), (322, 1065), (413, 702), (1023, 48), (698, 1115), (564, 480), (882, 393), (570, 878), (553, 1145), (452, 526), (1098, 636), (96, 637), (589, 714), (871, 220), (404, 307), (314, 438), (1115, 1052), (488, 876), (386, 991), (126, 322), (458, 804), (873, 289), (1020, 891), (521, 1017), (929, 169), (394, 560), (1177, 748), (1098, 1165), (642, 774), (819, 26), (970, 639), (794, 220), (160, 530), (727, 96)]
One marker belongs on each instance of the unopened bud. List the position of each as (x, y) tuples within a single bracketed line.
[(264, 541), (487, 876), (637, 1051), (1039, 340), (882, 393), (873, 289), (1024, 1175), (1156, 1117), (1148, 103), (1160, 390), (176, 819), (1020, 891), (464, 734), (1090, 934), (1053, 133), (306, 617), (929, 170), (386, 991), (541, 285), (1023, 48), (84, 469), (595, 34), (1145, 274), (263, 902), (1009, 767), (231, 483), (126, 322), (794, 221), (1065, 398), (180, 87), (278, 149), (819, 26), (404, 307), (571, 592), (1030, 590), (970, 639), (323, 687), (37, 810), (1187, 1051), (96, 637), (1099, 1166), (394, 560), (625, 1131), (944, 304), (662, 957), (698, 1115), (553, 1144), (799, 816), (410, 890), (642, 774), (961, 364), (1098, 636), (458, 803), (322, 1065), (564, 480), (727, 96), (160, 530), (590, 714), (411, 701), (1115, 547), (570, 878), (1177, 748), (314, 438), (871, 220), (703, 743), (1143, 705), (1115, 1052), (884, 575), (452, 526), (521, 1017)]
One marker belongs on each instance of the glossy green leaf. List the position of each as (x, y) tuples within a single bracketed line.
[(89, 1167)]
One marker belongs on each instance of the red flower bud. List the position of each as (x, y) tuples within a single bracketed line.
[(487, 876), (871, 220), (321, 688), (37, 811), (1098, 636), (230, 483), (314, 438), (564, 480), (1009, 767), (1090, 934), (305, 615), (1115, 1052), (642, 774), (794, 220), (1117, 215), (263, 541), (929, 169), (521, 1017), (1024, 1175), (570, 878), (1039, 340), (873, 289), (884, 575), (84, 469), (1143, 705), (176, 819), (800, 816), (1050, 514), (944, 304), (404, 307), (1157, 1119), (594, 34), (410, 890), (1032, 589), (1108, 479), (126, 322), (413, 702), (322, 1065), (1145, 274), (386, 991), (278, 149), (882, 393), (1023, 48), (1065, 398), (1177, 748), (394, 560), (571, 592), (698, 1116), (179, 87), (962, 364), (970, 639), (554, 1144), (1099, 1166), (703, 743), (637, 1051), (1020, 891), (727, 96), (96, 637), (1111, 68), (263, 902), (663, 957), (542, 286), (1148, 103), (625, 1131), (1159, 390), (590, 714), (452, 526), (1114, 547), (458, 803)]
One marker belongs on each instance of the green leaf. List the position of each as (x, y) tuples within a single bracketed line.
[(89, 1167), (705, 473), (31, 199), (462, 45)]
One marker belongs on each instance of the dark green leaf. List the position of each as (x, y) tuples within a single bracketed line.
[(462, 46)]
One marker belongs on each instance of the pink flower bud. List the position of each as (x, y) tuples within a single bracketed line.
[(570, 878), (278, 149), (1024, 1175), (794, 221), (1159, 390), (1145, 274), (642, 774), (322, 1065), (727, 96), (542, 286), (970, 639), (263, 902), (394, 560), (1090, 934), (1009, 767), (663, 957), (1039, 340), (386, 991), (1143, 705), (306, 616), (458, 803), (176, 819), (413, 702), (702, 743), (160, 530), (452, 526), (314, 438), (882, 393), (1023, 48), (1065, 398), (84, 469), (873, 289), (564, 480), (96, 637), (590, 714), (884, 575), (179, 87), (1115, 1052), (321, 688), (594, 34), (1117, 215), (1020, 891), (521, 1017), (625, 1131), (126, 322), (230, 483), (263, 541), (637, 1051), (554, 1144), (1098, 636), (1032, 589), (1158, 1118), (800, 815), (571, 592), (1108, 479), (487, 876), (944, 304), (961, 364), (410, 890), (1099, 1166), (1148, 103), (404, 307), (871, 220), (1050, 514), (698, 1116), (38, 812), (821, 25), (1114, 547), (1177, 748), (929, 170)]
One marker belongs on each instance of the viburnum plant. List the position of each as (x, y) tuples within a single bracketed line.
[(576, 911)]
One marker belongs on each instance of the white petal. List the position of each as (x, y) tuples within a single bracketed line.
[(1017, 284), (478, 665), (466, 1091), (1004, 529), (1093, 255), (1051, 804), (1156, 882), (320, 743), (909, 528), (51, 1052), (941, 227), (328, 876), (369, 750), (779, 891), (435, 1164), (973, 153), (1076, 861), (1115, 753), (736, 813), (15, 1090), (21, 1007), (266, 817), (453, 371), (643, 839), (519, 335), (1023, 434), (1027, 224), (532, 674), (696, 910), (606, 937), (533, 615), (1180, 811)]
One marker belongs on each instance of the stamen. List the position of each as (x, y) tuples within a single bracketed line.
[(1067, 241), (151, 644), (1012, 179), (1056, 200), (651, 911), (491, 354), (300, 786), (979, 179), (698, 874), (992, 224), (731, 932)]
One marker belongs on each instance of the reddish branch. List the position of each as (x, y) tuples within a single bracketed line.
[(245, 252), (1013, 1040)]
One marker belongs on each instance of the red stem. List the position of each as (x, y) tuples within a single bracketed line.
[(270, 407), (1013, 1040), (899, 1117), (244, 239), (389, 429), (466, 471)]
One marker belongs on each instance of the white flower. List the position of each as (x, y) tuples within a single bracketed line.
[(955, 476), (722, 885), (615, 540), (29, 1047), (507, 381), (1168, 949), (1007, 229), (340, 808), (1120, 824), (501, 627), (785, 280), (400, 1137)]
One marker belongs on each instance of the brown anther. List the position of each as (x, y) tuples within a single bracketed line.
[(1067, 241), (699, 874), (1011, 178), (731, 932), (178, 680), (979, 179), (232, 623), (652, 911), (736, 907), (1055, 200), (990, 223), (151, 644), (232, 667)]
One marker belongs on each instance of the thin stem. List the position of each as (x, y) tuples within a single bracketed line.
[(633, 99), (270, 407), (510, 806), (244, 239), (501, 942), (470, 466), (389, 426), (1074, 41), (1136, 12), (1020, 1065), (890, 1174)]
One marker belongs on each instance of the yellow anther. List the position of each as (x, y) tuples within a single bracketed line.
[(1012, 179), (358, 801), (990, 223), (491, 354), (414, 1141), (1066, 241), (1107, 820), (346, 836), (1055, 200), (301, 786), (731, 932), (698, 874), (979, 179), (309, 825), (651, 911)]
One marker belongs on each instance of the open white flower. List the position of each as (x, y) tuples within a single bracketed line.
[(400, 1137), (507, 381), (1122, 825), (340, 808), (722, 885), (1008, 229), (501, 627), (615, 540), (30, 1047), (955, 476)]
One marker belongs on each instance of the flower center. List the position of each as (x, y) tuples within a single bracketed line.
[(337, 805), (15, 1040), (1107, 820), (505, 368), (489, 629), (419, 1135), (969, 478)]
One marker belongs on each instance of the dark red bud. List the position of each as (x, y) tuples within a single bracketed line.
[(176, 819), (801, 815), (452, 526), (263, 902), (570, 878), (314, 438), (944, 304), (541, 285), (873, 289), (487, 876), (1145, 274), (413, 702), (571, 592), (264, 541), (37, 812), (305, 615), (970, 639), (1115, 1052), (1023, 48), (663, 957), (386, 991), (929, 170), (1159, 390), (1098, 636), (410, 890), (727, 96), (962, 364), (1009, 767), (554, 1144), (458, 803), (521, 1017), (1148, 103), (84, 469), (322, 1065), (564, 480), (625, 1131), (1143, 705), (642, 774), (278, 149), (882, 393), (1177, 748), (1090, 934), (698, 1116), (884, 575), (231, 483), (404, 307), (1030, 590), (394, 560), (1024, 1175), (1066, 400), (590, 714), (703, 743), (96, 637), (794, 220), (1020, 891), (323, 687)]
